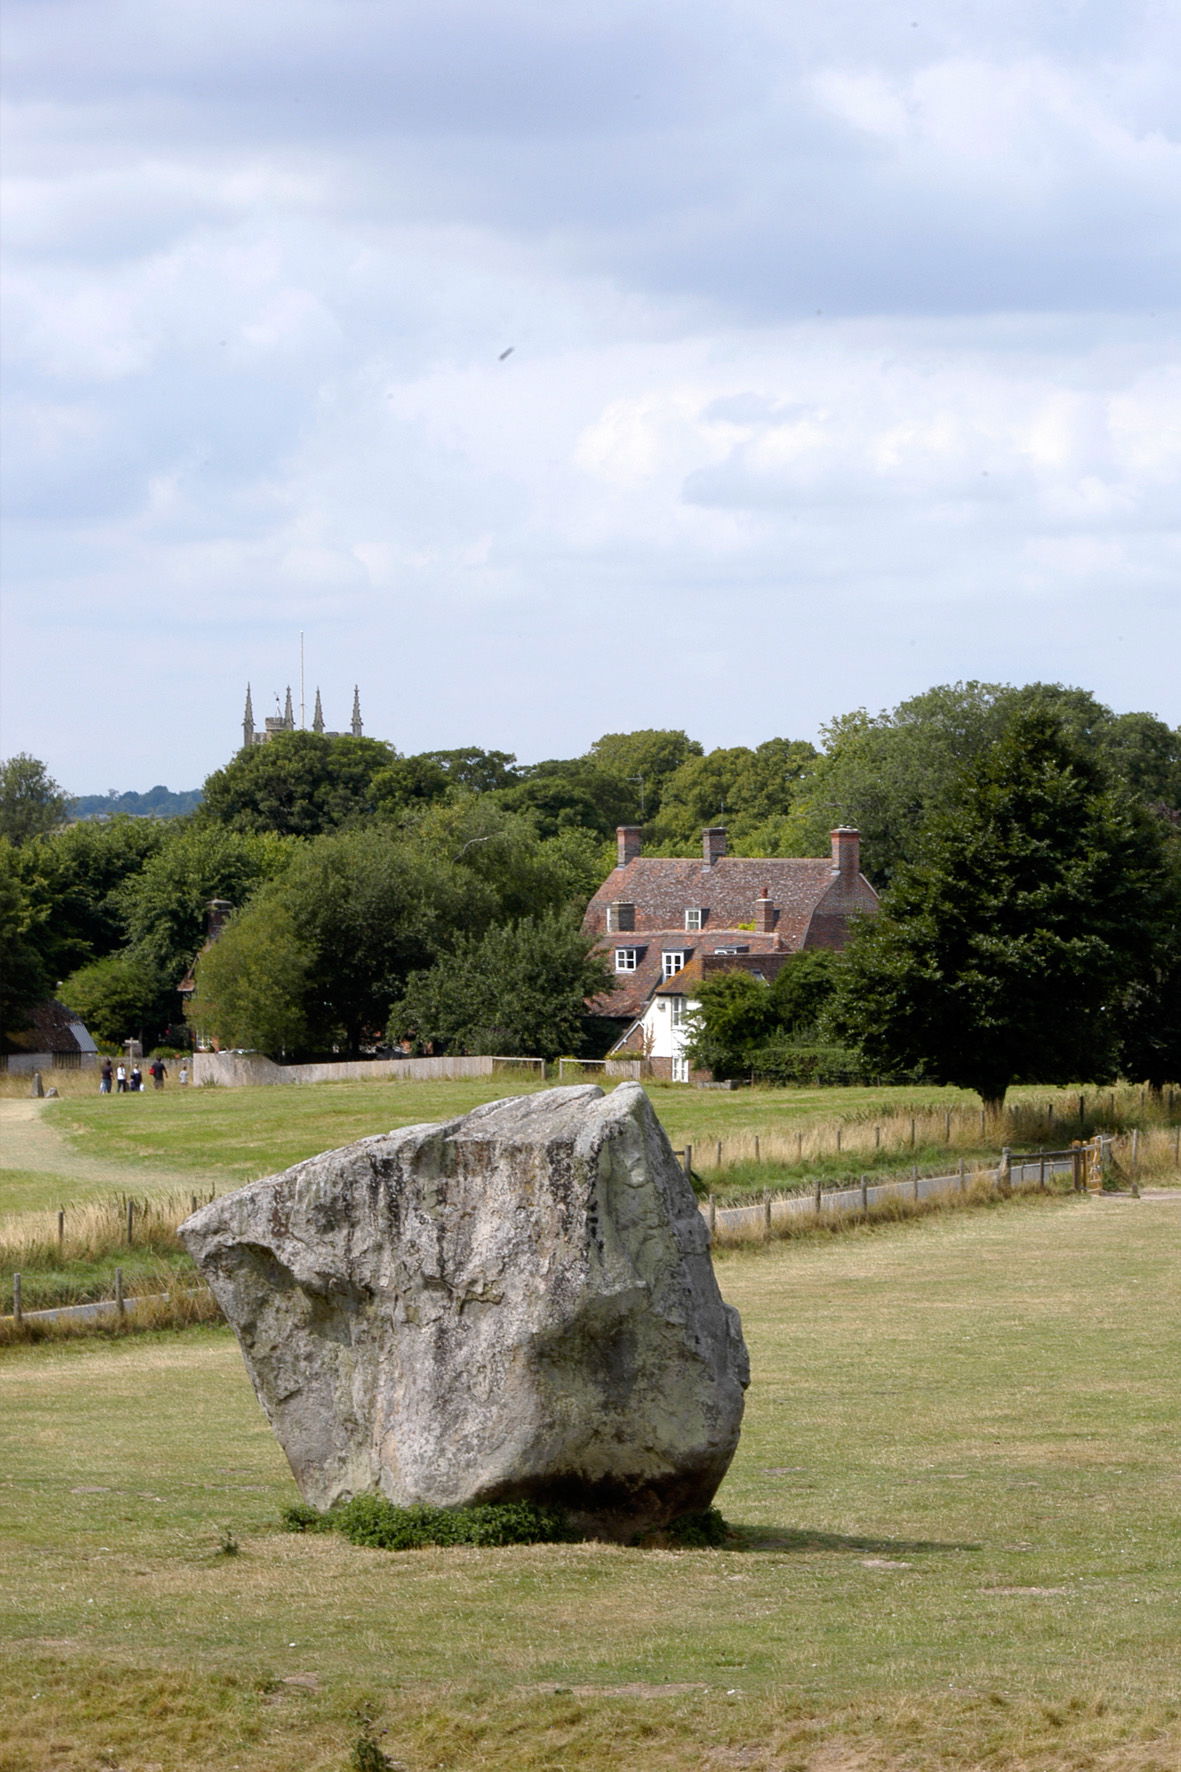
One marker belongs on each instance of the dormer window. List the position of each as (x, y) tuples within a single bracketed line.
[(695, 917), (672, 962), (626, 959)]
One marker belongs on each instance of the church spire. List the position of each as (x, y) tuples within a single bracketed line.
[(318, 716), (248, 721), (289, 713), (356, 724)]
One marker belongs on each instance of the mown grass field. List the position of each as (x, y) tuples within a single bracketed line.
[(224, 1137), (956, 1496)]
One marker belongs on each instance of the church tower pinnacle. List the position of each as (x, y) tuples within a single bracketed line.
[(357, 728), (318, 716), (248, 721), (288, 713)]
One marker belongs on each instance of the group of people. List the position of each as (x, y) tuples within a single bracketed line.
[(126, 1081)]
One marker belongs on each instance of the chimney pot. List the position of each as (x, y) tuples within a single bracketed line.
[(628, 843), (765, 913)]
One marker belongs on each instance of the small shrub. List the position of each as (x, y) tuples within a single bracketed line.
[(299, 1517), (228, 1545), (377, 1524), (707, 1531)]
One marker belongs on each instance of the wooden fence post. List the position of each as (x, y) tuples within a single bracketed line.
[(877, 1138), (818, 1193), (17, 1307), (1041, 1174), (687, 1159), (1135, 1152), (120, 1306), (130, 1221), (912, 1132), (963, 1176), (713, 1217), (865, 1193), (799, 1147), (61, 1229), (982, 1122), (1082, 1112), (718, 1159), (947, 1127), (840, 1129), (758, 1157), (915, 1180), (767, 1215)]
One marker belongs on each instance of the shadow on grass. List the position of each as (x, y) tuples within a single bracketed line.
[(799, 1538)]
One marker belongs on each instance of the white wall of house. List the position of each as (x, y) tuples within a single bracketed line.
[(665, 1031)]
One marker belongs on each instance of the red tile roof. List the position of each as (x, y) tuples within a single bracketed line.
[(811, 904)]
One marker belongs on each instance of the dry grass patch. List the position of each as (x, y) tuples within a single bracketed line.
[(956, 1488)]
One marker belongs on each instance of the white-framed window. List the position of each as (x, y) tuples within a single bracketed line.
[(671, 963), (679, 1008), (695, 917), (680, 1070), (626, 959)]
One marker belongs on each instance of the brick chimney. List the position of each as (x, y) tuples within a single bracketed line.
[(628, 843), (713, 844), (765, 913), (217, 912), (846, 852)]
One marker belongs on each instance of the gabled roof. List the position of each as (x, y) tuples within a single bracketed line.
[(51, 1028), (771, 905), (634, 990)]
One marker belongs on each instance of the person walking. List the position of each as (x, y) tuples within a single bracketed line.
[(136, 1079), (107, 1072), (121, 1080), (182, 1076), (159, 1071)]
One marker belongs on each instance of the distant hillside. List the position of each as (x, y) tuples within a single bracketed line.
[(158, 802)]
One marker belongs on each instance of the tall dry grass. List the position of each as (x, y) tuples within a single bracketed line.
[(95, 1228), (1029, 1122)]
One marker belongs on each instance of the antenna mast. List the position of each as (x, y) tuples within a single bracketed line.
[(302, 721)]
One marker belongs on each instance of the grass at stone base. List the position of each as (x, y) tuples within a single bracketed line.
[(956, 1492)]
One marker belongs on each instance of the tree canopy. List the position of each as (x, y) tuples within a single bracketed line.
[(518, 988), (31, 802), (298, 784), (1000, 952)]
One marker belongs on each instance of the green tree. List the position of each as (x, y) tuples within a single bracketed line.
[(164, 905), (1150, 1004), (481, 771), (887, 772), (24, 977), (999, 953), (732, 1013), (564, 794), (298, 784), (751, 792), (645, 760), (518, 988), (738, 1021), (84, 870), (252, 982), (123, 996), (31, 802)]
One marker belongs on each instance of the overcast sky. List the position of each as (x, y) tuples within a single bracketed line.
[(842, 360)]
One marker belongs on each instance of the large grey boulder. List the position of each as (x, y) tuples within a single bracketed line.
[(518, 1304)]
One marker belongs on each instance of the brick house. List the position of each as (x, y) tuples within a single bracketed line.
[(665, 923)]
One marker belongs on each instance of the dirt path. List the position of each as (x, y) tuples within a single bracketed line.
[(28, 1140)]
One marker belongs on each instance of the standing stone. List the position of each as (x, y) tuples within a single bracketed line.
[(518, 1304)]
